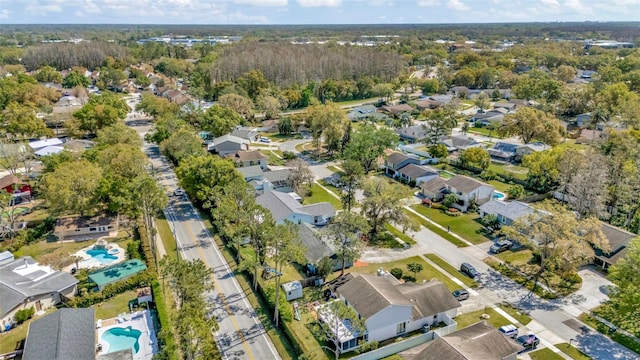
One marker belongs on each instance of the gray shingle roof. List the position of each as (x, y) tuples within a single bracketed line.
[(283, 205), (465, 184), (414, 171), (250, 171), (23, 278), (316, 245), (428, 299), (512, 210), (433, 185), (245, 155), (396, 158), (412, 132), (63, 334), (224, 138)]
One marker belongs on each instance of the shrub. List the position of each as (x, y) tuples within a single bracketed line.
[(289, 155), (516, 191), (488, 175), (449, 200), (397, 273), (284, 308), (24, 315), (452, 212)]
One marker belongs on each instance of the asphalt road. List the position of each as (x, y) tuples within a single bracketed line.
[(240, 334)]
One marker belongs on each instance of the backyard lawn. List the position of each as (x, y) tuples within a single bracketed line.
[(318, 194), (451, 270), (465, 225), (114, 306), (496, 320)]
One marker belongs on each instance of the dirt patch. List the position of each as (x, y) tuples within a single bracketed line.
[(359, 263)]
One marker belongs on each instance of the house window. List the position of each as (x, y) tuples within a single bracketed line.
[(401, 328), (92, 229)]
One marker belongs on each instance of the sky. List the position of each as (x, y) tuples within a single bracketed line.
[(312, 11)]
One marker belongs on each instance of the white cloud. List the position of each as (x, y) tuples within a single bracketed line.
[(457, 5), (428, 2), (319, 3), (262, 2), (550, 3), (4, 14)]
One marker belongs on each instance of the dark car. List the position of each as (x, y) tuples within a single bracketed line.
[(500, 246), (528, 341), (469, 270), (461, 294)]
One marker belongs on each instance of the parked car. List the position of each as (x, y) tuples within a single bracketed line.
[(178, 192), (509, 330), (528, 342), (265, 140), (500, 246), (469, 270), (461, 294)]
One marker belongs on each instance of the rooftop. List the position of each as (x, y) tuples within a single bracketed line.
[(117, 272), (63, 334), (512, 210), (465, 184), (246, 155)]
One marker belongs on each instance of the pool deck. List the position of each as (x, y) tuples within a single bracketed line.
[(139, 320), (88, 262)]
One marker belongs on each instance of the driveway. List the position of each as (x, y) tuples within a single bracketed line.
[(291, 145)]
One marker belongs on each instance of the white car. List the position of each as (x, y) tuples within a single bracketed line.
[(178, 192), (509, 330), (265, 140)]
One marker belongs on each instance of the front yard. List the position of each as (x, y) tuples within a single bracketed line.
[(466, 225), (451, 270), (496, 320), (318, 194)]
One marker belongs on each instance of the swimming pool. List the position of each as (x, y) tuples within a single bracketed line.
[(103, 255), (498, 195), (122, 338)]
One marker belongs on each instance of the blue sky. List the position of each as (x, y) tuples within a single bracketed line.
[(312, 11)]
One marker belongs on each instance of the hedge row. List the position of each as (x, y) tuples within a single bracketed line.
[(141, 279), (166, 339)]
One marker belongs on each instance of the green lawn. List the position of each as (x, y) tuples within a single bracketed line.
[(496, 320), (168, 241), (544, 354), (451, 270), (515, 313), (518, 172), (442, 233), (499, 185), (335, 169), (399, 234), (465, 225), (114, 306), (516, 258), (484, 131), (9, 340), (572, 352), (273, 158), (428, 272), (318, 194)]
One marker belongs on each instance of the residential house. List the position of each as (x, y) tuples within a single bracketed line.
[(365, 112), (5, 258), (49, 150), (479, 341), (588, 136), (78, 145), (433, 189), (26, 284), (530, 148), (248, 158), (618, 241), (435, 101), (459, 91), (39, 144), (83, 226), (457, 142), (13, 185), (68, 100), (390, 308), (506, 211), (227, 144), (319, 246), (284, 206), (510, 106), (413, 133), (396, 110), (176, 96), (270, 126), (247, 133), (396, 161), (503, 151), (251, 173), (487, 118), (416, 174), (67, 333), (469, 190), (276, 180)]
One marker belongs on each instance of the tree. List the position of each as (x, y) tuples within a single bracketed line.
[(157, 106), (181, 145), (566, 73), (383, 90), (270, 105), (561, 241), (239, 104), (439, 122), (383, 203), (367, 144), (219, 120), (111, 78), (285, 247), (515, 191), (324, 267), (449, 200), (253, 82), (75, 78), (532, 124), (465, 128), (625, 296), (334, 315), (118, 133), (346, 230), (415, 268), (438, 151), (205, 177), (101, 111), (586, 190), (21, 122), (482, 101), (543, 171), (351, 176), (285, 126), (260, 232), (165, 127), (475, 156), (405, 119), (328, 121), (15, 156), (48, 74), (231, 211), (72, 187), (300, 176), (491, 222)]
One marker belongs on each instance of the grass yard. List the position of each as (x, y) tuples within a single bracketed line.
[(335, 169), (168, 241), (54, 253), (399, 234), (484, 131), (428, 272), (318, 194), (496, 320), (572, 352), (451, 270), (499, 185), (516, 171), (515, 258), (544, 354), (522, 318), (273, 157), (9, 340), (465, 225), (114, 306), (442, 233)]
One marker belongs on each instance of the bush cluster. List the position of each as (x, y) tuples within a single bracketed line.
[(24, 315)]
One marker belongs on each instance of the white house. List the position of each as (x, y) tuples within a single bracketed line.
[(227, 144), (468, 190), (390, 308), (416, 174), (292, 290), (506, 212), (284, 206), (26, 284)]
